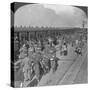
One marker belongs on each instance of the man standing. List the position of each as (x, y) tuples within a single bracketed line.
[(37, 58)]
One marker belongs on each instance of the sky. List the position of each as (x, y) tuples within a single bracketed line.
[(49, 15)]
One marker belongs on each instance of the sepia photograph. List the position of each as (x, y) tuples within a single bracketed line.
[(49, 44)]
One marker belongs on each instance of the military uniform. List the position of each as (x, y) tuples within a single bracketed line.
[(25, 63), (26, 68), (23, 52), (31, 51), (64, 49), (45, 63), (51, 54), (37, 58), (53, 59)]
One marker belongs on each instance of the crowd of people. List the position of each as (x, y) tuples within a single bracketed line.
[(37, 58)]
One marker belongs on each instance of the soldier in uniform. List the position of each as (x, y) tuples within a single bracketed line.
[(16, 48), (26, 62), (46, 59), (31, 50), (53, 59), (37, 58), (45, 63), (64, 49), (26, 68), (23, 60), (59, 46), (51, 54), (23, 52)]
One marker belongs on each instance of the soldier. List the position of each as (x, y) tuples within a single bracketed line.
[(31, 51), (45, 62), (25, 63), (51, 54), (26, 68), (59, 46), (37, 58), (53, 59), (23, 52), (79, 47), (22, 55), (78, 51), (64, 49), (16, 48)]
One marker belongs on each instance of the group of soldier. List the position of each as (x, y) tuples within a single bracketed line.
[(37, 59)]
